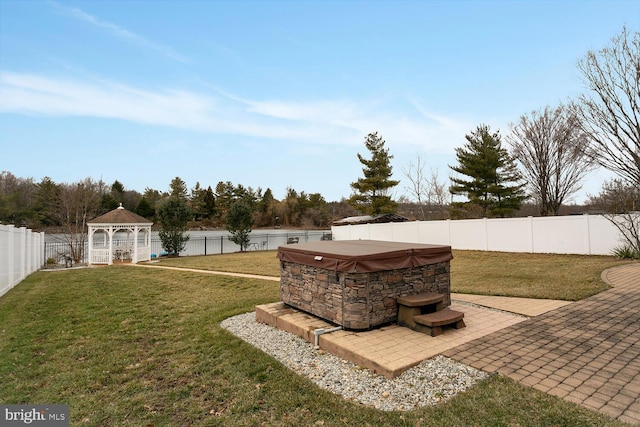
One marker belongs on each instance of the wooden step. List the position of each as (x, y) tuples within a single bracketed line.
[(420, 300), (432, 323), (414, 305)]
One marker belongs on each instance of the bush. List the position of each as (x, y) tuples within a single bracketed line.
[(626, 252)]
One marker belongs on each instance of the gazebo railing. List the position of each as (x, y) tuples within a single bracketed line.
[(144, 252), (100, 256)]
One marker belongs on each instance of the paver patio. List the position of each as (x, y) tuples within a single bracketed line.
[(587, 352)]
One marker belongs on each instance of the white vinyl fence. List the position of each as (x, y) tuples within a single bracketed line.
[(21, 253), (580, 234)]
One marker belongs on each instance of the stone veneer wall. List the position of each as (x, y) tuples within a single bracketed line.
[(358, 300)]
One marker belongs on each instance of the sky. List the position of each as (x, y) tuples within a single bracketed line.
[(279, 94)]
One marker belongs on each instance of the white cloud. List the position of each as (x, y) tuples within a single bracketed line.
[(334, 122), (120, 32)]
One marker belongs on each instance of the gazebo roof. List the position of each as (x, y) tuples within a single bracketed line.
[(120, 216)]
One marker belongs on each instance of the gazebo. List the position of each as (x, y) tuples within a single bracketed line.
[(119, 235)]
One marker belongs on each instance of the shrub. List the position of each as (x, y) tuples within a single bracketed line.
[(626, 252)]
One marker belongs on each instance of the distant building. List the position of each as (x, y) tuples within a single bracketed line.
[(368, 219)]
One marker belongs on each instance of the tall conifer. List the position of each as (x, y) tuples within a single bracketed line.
[(493, 182), (372, 191)]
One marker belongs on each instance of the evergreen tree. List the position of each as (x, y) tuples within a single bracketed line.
[(493, 183), (178, 188), (316, 214), (291, 207), (266, 209), (372, 191), (47, 197), (112, 199), (239, 223), (145, 209), (209, 203), (202, 202), (173, 215), (196, 202), (148, 204), (224, 199)]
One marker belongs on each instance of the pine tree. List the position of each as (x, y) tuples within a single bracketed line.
[(372, 191), (178, 188), (494, 185), (173, 215), (239, 223), (198, 202)]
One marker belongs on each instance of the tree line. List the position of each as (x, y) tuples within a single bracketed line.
[(50, 205)]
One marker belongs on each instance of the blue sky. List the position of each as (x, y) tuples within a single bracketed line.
[(278, 94)]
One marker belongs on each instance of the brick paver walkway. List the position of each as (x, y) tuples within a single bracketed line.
[(587, 352)]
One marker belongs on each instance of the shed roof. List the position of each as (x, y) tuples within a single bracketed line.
[(364, 256), (120, 216), (368, 219)]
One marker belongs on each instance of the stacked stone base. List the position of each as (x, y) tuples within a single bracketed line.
[(359, 301)]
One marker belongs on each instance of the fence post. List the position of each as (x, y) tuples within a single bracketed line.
[(22, 253), (12, 261), (531, 235), (586, 217), (28, 250)]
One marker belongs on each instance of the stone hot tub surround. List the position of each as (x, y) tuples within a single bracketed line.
[(355, 283)]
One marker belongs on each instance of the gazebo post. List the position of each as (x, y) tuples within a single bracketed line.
[(110, 234), (90, 245), (135, 245)]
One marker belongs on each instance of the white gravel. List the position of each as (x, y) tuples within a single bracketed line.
[(431, 382)]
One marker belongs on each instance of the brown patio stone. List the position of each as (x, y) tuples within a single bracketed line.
[(587, 352)]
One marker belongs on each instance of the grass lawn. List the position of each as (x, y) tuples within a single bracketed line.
[(133, 346), (551, 276), (565, 277)]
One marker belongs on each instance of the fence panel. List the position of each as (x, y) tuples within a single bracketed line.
[(575, 234), (468, 234), (509, 235), (21, 253), (6, 258), (603, 235), (434, 232), (204, 245), (565, 235)]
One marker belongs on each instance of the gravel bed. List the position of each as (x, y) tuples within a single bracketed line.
[(429, 383)]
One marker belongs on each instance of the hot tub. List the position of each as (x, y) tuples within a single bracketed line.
[(355, 283)]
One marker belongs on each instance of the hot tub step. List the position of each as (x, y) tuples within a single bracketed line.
[(414, 305), (432, 323), (420, 300)]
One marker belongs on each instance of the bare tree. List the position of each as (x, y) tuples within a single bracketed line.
[(438, 194), (610, 112), (549, 145), (611, 116), (426, 191), (417, 187), (78, 203), (620, 203)]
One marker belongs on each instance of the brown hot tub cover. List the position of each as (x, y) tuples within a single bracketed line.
[(364, 256)]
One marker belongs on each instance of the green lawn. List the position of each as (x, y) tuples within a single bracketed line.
[(565, 277), (133, 346), (552, 276)]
